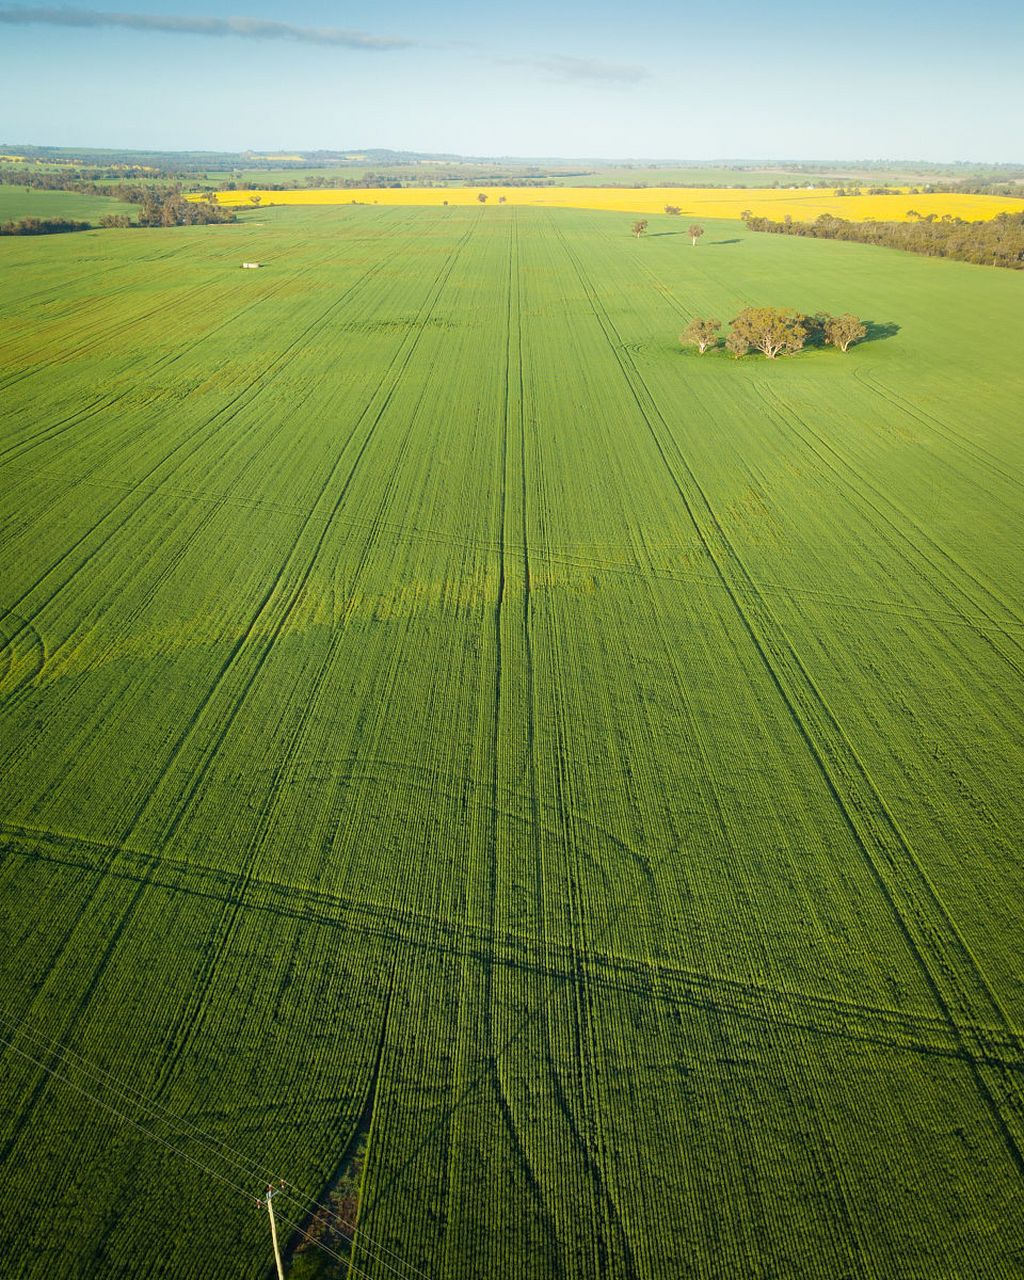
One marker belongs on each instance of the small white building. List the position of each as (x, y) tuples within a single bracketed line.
[(251, 266)]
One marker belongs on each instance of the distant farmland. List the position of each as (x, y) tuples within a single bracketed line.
[(439, 715)]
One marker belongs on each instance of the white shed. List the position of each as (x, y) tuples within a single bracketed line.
[(252, 265)]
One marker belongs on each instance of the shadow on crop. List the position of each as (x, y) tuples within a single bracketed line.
[(879, 330), (735, 240)]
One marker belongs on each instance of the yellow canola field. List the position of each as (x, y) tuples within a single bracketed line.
[(706, 202)]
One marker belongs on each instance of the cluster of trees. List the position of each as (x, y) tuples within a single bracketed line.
[(999, 242), (176, 211), (41, 226), (774, 331)]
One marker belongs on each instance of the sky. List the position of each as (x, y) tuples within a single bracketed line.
[(741, 79)]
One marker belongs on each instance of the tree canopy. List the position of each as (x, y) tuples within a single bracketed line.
[(843, 331), (773, 330), (701, 334)]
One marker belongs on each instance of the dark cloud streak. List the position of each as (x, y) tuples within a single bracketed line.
[(239, 28)]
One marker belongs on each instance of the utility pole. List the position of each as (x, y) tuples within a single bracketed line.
[(268, 1200)]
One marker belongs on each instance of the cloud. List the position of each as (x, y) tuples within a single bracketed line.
[(592, 69), (242, 28)]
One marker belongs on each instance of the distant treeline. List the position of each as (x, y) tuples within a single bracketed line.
[(377, 181), (41, 227), (998, 242), (935, 189), (88, 182), (331, 181), (957, 172)]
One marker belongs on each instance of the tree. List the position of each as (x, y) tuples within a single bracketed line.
[(843, 331), (255, 199), (736, 345), (773, 330), (747, 214), (695, 231), (673, 208), (501, 199), (482, 197), (639, 227), (700, 334)]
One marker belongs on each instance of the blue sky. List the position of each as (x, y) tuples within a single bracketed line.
[(803, 80)]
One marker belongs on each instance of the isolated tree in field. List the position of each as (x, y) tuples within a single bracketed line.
[(482, 197), (843, 331), (747, 214), (736, 345), (501, 199), (673, 208), (639, 227), (773, 330), (255, 199), (700, 334), (695, 231)]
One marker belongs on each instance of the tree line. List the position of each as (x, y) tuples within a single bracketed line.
[(774, 331), (41, 226), (87, 182), (999, 242)]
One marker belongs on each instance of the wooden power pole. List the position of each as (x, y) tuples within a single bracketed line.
[(268, 1200)]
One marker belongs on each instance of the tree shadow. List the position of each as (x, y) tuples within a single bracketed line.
[(879, 330), (654, 234), (736, 240)]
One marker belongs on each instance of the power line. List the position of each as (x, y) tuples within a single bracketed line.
[(124, 1117), (246, 1166)]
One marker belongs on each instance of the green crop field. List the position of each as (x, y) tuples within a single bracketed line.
[(22, 202), (440, 717)]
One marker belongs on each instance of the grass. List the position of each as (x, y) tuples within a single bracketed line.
[(438, 712), (19, 202)]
